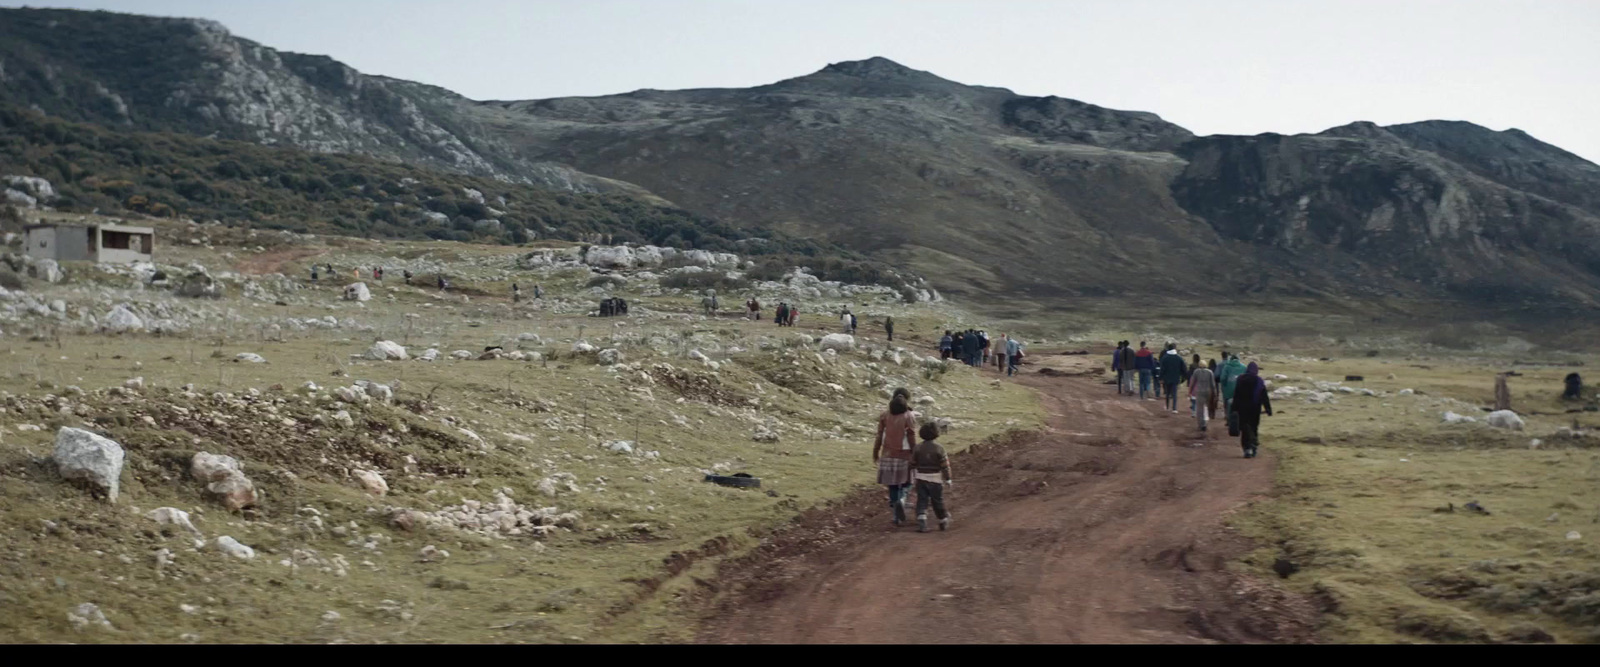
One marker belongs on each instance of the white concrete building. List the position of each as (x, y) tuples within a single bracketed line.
[(115, 244)]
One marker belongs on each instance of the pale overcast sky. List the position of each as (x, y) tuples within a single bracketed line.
[(1213, 66)]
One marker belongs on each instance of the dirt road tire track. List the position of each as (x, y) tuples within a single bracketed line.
[(1105, 528)]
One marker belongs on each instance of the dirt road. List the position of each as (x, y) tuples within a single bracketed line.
[(1106, 528)]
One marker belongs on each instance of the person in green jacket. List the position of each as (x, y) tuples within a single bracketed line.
[(1228, 376)]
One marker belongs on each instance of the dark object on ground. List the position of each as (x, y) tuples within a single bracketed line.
[(1354, 378), (613, 307), (1513, 374), (158, 276), (1078, 353), (1372, 353), (1284, 567), (1051, 372), (1574, 387), (1474, 506), (494, 348), (1326, 359), (741, 480), (1448, 508)]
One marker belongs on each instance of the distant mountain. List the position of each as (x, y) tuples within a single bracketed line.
[(990, 194)]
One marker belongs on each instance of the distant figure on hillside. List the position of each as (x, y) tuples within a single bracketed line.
[(1574, 387), (888, 327), (845, 318), (972, 348), (852, 323), (516, 293), (443, 284), (1001, 344), (946, 343), (709, 303), (983, 349), (357, 272), (406, 273), (1502, 393), (1250, 399), (537, 292), (755, 309), (313, 273), (794, 314)]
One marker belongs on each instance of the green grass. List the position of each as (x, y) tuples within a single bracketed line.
[(605, 582), (1359, 484)]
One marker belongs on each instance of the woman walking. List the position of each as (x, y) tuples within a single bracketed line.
[(1249, 401), (891, 451)]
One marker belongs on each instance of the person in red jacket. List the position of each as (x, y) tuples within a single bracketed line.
[(1145, 362)]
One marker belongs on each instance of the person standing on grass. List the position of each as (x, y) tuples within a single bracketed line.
[(971, 346), (888, 327), (516, 293), (891, 451), (931, 470), (852, 324), (1145, 363), (999, 345), (1250, 399), (1228, 377), (1173, 373), (1202, 390), (313, 273), (946, 343), (794, 313)]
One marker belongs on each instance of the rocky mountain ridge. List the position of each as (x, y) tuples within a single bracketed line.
[(986, 192)]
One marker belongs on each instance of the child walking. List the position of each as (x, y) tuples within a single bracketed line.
[(932, 472)]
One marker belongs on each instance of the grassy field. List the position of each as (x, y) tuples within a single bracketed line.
[(649, 525), (1372, 495)]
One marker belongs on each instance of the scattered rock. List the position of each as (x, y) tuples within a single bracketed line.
[(428, 355), (250, 357), (357, 292), (120, 319), (386, 350), (432, 553), (372, 482), (1505, 419), (610, 357), (87, 616), (232, 547), (839, 342), (87, 457), (1453, 418), (172, 516)]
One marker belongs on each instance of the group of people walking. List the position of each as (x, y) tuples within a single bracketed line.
[(975, 348), (1239, 388), (786, 314)]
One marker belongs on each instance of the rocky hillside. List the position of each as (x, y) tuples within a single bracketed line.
[(988, 193)]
